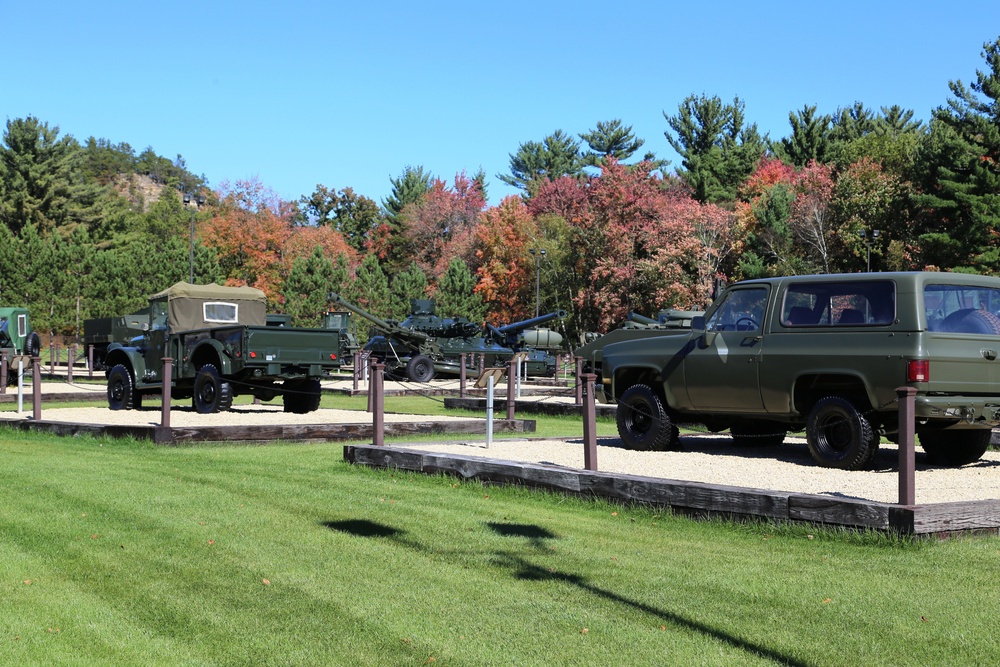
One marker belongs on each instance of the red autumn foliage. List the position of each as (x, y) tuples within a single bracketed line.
[(505, 267)]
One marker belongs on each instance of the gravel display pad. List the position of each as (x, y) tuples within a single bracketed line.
[(714, 459)]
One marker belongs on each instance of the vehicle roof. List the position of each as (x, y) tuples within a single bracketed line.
[(916, 278), (210, 291)]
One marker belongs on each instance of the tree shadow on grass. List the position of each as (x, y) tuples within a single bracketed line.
[(523, 570)]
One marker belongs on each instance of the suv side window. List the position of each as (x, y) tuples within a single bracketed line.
[(743, 310), (839, 304)]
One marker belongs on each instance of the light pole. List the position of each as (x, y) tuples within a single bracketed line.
[(538, 254), (869, 238), (199, 200)]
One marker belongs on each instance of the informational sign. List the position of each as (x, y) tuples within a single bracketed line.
[(484, 378)]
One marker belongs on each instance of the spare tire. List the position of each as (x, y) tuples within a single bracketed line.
[(33, 344), (973, 321)]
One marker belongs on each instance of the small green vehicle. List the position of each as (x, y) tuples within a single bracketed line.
[(222, 347), (17, 339), (823, 353)]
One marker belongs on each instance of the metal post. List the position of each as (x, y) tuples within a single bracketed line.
[(3, 373), (371, 383), (168, 370), (52, 354), (36, 389), (90, 361), (356, 370), (907, 464), (489, 410), (69, 363), (589, 423), (378, 412), (578, 395), (511, 380), (20, 384), (461, 375)]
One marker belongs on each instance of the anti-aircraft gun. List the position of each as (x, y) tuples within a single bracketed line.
[(525, 337)]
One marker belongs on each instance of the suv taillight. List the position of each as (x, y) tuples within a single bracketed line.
[(918, 370)]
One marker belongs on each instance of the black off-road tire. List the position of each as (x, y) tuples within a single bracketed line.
[(971, 320), (643, 422), (33, 346), (420, 368), (758, 434), (839, 436), (211, 392), (301, 396), (955, 448), (121, 389)]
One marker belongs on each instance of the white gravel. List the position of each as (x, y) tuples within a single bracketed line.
[(707, 458)]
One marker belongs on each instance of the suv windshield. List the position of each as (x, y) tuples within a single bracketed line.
[(962, 309)]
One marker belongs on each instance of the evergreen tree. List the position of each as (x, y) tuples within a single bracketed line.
[(718, 150), (810, 138), (611, 139), (961, 174), (41, 182), (536, 162), (410, 284), (370, 288), (409, 188), (455, 295), (306, 288)]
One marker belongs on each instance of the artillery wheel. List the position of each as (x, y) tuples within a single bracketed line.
[(301, 396), (121, 390), (956, 448), (211, 392), (643, 422), (420, 368), (839, 436)]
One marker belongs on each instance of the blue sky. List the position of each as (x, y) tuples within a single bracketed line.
[(346, 94)]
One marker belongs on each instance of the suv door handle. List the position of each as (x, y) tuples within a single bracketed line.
[(989, 354)]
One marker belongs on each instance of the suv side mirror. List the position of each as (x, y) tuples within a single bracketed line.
[(698, 323)]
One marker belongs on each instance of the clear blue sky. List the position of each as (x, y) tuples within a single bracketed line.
[(349, 93)]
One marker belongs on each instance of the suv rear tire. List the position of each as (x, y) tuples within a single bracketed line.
[(839, 436), (956, 448)]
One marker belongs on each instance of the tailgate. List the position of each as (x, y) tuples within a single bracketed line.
[(292, 347), (962, 363)]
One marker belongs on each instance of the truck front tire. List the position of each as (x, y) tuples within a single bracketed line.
[(121, 390), (643, 422), (211, 392), (956, 448), (839, 436)]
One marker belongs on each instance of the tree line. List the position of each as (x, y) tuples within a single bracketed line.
[(91, 229)]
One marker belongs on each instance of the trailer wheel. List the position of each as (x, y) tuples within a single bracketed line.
[(956, 448), (643, 422), (121, 390), (301, 396), (420, 368), (211, 392), (839, 436)]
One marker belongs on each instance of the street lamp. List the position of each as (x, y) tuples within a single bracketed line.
[(199, 200), (868, 242), (538, 254)]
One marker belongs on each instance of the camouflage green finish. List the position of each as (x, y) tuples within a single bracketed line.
[(222, 347), (826, 354), (100, 332)]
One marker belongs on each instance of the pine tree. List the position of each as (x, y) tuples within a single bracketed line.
[(306, 288), (455, 295), (536, 162), (408, 285), (611, 139)]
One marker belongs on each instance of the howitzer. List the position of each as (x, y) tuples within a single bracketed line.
[(510, 334)]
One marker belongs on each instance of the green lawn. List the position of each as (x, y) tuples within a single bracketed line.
[(122, 553)]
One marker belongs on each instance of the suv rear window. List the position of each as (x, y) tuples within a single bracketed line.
[(962, 309), (839, 304)]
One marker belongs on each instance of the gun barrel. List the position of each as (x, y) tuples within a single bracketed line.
[(640, 319), (385, 327), (516, 327)]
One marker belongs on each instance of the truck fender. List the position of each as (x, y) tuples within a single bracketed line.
[(212, 352), (129, 357), (809, 387)]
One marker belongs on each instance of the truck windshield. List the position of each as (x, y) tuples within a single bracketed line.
[(962, 309)]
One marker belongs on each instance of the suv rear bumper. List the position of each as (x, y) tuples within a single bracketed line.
[(983, 410)]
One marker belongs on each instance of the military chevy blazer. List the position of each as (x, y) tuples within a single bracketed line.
[(823, 353), (222, 346)]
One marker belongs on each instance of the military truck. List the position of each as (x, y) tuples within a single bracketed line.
[(823, 353), (222, 347), (100, 332), (17, 339)]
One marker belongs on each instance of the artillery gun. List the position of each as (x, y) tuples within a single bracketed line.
[(425, 345)]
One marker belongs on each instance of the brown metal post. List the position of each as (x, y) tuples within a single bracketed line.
[(36, 388), (378, 412), (52, 354), (589, 423), (3, 373), (90, 361), (578, 395), (907, 431), (511, 392), (461, 375), (168, 373), (69, 363)]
